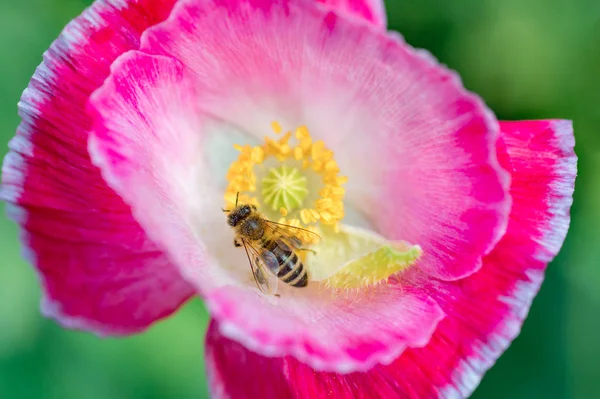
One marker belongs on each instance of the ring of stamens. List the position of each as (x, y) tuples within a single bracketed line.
[(297, 178)]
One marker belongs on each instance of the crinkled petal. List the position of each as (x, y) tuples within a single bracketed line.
[(98, 269), (485, 311), (432, 176)]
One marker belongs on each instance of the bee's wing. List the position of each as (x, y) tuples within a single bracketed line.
[(262, 263), (292, 235)]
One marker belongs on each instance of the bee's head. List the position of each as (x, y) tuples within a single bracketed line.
[(239, 213)]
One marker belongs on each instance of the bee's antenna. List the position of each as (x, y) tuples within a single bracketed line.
[(237, 196)]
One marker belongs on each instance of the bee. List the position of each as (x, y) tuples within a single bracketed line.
[(271, 248)]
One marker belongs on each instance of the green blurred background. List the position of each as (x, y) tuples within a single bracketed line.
[(526, 58)]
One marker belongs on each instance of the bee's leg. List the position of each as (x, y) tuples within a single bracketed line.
[(307, 249), (236, 243)]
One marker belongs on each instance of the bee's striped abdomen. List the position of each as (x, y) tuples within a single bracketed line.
[(291, 270)]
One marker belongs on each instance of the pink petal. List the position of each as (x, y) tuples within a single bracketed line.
[(432, 176), (146, 139), (98, 269), (485, 310), (256, 61), (234, 372), (370, 10), (450, 194)]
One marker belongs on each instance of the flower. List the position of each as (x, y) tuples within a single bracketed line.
[(437, 221)]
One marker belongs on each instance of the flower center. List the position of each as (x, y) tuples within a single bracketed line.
[(298, 179), (284, 188)]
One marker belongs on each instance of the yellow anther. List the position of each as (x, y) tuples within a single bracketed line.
[(315, 214), (327, 155), (285, 149), (338, 192), (326, 217), (276, 127), (317, 149), (331, 166), (304, 216), (325, 192), (258, 155), (286, 137), (307, 216), (302, 133), (283, 211), (324, 203), (305, 144), (336, 180), (270, 143)]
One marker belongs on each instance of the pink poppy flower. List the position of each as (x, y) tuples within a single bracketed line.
[(436, 221)]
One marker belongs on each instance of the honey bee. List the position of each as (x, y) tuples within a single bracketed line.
[(271, 248)]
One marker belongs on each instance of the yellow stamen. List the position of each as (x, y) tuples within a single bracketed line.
[(276, 127), (258, 155), (286, 187)]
